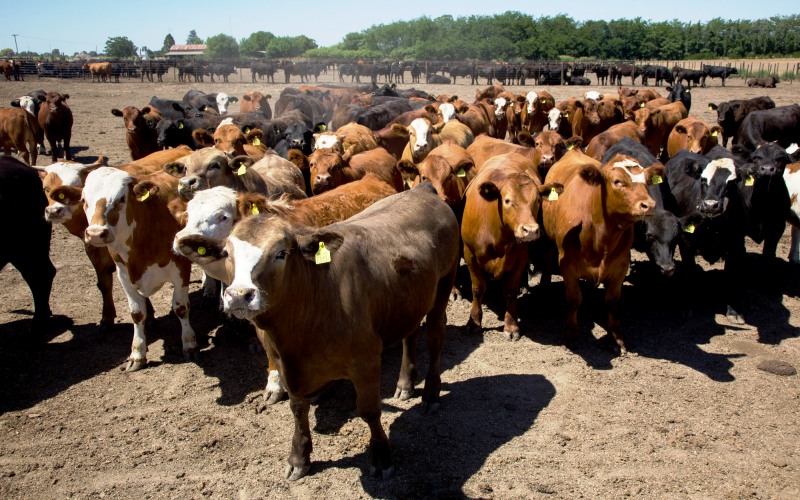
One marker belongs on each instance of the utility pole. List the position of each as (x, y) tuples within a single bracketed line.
[(15, 44)]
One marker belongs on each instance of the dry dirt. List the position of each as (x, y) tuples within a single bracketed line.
[(689, 414)]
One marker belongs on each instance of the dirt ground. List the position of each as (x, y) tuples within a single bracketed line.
[(690, 413)]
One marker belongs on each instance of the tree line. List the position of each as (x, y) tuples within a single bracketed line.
[(512, 36)]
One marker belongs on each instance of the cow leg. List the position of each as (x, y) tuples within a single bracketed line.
[(104, 268), (368, 400), (436, 325), (274, 392), (300, 455), (613, 292), (53, 149), (210, 293), (38, 272), (408, 368), (478, 290), (137, 304), (574, 299), (510, 291), (180, 306)]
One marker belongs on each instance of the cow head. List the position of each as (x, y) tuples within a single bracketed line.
[(419, 133), (659, 239), (624, 184), (55, 101), (449, 168), (171, 132), (134, 118), (446, 111), (204, 169), (64, 204), (223, 100), (106, 195), (697, 136), (325, 166), (551, 145), (770, 160), (210, 213)]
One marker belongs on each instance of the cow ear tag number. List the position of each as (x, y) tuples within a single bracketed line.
[(323, 255)]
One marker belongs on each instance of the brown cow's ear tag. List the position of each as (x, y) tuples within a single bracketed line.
[(254, 210), (246, 130), (462, 173), (60, 196), (553, 196), (689, 228), (714, 133), (256, 141), (749, 181), (656, 179), (145, 196), (323, 255), (201, 250), (641, 105), (566, 115), (242, 169)]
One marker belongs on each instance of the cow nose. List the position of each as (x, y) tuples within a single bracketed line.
[(645, 206), (96, 235), (528, 232), (190, 182), (237, 299), (768, 169), (711, 204), (322, 179), (668, 269), (547, 158), (53, 213)]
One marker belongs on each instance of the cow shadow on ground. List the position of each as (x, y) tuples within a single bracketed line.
[(476, 418)]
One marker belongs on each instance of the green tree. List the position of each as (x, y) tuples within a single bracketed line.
[(120, 47), (222, 47), (289, 46), (193, 39), (168, 43), (55, 53), (6, 53), (255, 43)]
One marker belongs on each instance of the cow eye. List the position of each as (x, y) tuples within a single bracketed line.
[(281, 255), (215, 166), (122, 199), (618, 183)]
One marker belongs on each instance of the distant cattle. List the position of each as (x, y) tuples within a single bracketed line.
[(721, 72), (19, 130), (55, 119), (767, 82)]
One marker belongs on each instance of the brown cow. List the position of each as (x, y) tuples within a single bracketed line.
[(658, 123), (321, 298), (478, 116), (500, 212), (100, 71), (449, 168), (355, 138), (600, 143), (230, 139), (55, 119), (593, 117), (423, 136), (551, 146), (484, 148), (256, 101), (140, 129), (536, 109), (328, 169), (590, 227), (66, 208), (18, 130), (693, 135), (210, 167)]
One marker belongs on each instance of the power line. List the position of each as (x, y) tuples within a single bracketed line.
[(15, 44)]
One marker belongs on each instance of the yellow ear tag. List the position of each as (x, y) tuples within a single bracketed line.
[(689, 228), (714, 133), (641, 105), (566, 115), (242, 170), (553, 196), (201, 250), (569, 148), (145, 196), (323, 255), (254, 210), (656, 179), (180, 125), (462, 173), (60, 196), (175, 169), (256, 141), (710, 108), (687, 91), (323, 128), (749, 181), (542, 101), (246, 130)]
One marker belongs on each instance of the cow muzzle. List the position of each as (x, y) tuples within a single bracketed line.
[(57, 214), (98, 236), (187, 188), (527, 232), (242, 301)]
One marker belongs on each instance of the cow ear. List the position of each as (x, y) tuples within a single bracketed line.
[(592, 175), (740, 151), (546, 191), (255, 137), (489, 191), (114, 111), (431, 109), (143, 190), (233, 99), (669, 89), (680, 129), (177, 207), (67, 195), (65, 96), (400, 130), (712, 106), (574, 142), (175, 169), (299, 159), (203, 137), (248, 204), (240, 164), (408, 168), (201, 249), (246, 97), (655, 174), (716, 131), (313, 246)]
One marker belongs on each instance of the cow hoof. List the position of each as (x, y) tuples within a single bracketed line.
[(403, 394), (473, 327), (274, 397), (386, 473), (190, 355), (134, 365), (512, 335), (294, 473), (105, 328), (734, 317)]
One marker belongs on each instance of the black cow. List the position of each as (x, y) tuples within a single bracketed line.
[(157, 68), (378, 116), (296, 128), (202, 101), (679, 93), (262, 69), (23, 199), (781, 125), (657, 236), (462, 70), (658, 73), (767, 82), (690, 75), (220, 69), (255, 120), (731, 113), (601, 71), (173, 109), (577, 80), (717, 72), (620, 70), (173, 133)]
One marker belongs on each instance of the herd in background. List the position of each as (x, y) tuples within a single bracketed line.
[(336, 217)]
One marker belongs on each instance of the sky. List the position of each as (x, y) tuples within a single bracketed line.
[(85, 25)]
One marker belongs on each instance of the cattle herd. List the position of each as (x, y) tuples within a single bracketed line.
[(335, 218)]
